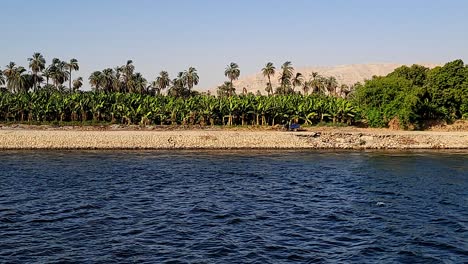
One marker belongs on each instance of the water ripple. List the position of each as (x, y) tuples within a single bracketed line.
[(233, 207)]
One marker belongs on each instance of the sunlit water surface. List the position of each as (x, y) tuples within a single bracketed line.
[(233, 207)]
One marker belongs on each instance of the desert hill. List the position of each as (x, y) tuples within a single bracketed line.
[(345, 74)]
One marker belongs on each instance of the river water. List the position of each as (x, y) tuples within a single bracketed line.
[(233, 207)]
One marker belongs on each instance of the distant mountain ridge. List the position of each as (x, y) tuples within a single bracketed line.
[(345, 74)]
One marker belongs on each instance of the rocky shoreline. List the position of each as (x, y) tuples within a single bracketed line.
[(227, 139)]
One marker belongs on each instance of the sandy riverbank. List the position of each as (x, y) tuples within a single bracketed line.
[(227, 139)]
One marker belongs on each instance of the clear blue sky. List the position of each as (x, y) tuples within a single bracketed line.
[(208, 34)]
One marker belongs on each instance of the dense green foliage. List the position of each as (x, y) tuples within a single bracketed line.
[(415, 94), (132, 108), (409, 96)]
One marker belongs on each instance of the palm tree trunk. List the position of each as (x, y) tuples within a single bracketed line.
[(70, 81), (230, 90), (270, 90), (34, 81)]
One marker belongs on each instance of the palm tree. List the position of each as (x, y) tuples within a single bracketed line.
[(331, 84), (108, 79), (287, 72), (95, 80), (232, 72), (178, 86), (307, 86), (77, 83), (315, 85), (117, 84), (36, 64), (16, 78), (298, 80), (191, 77), (268, 71), (162, 81), (138, 83), (226, 89), (2, 78), (58, 72), (72, 65), (9, 72), (127, 74), (47, 74)]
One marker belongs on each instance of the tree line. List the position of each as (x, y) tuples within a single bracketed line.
[(290, 82), (18, 79), (415, 95), (410, 95), (134, 108), (125, 79)]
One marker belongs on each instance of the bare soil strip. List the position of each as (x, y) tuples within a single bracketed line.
[(227, 139)]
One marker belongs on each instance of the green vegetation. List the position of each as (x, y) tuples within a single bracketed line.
[(409, 96), (414, 95), (133, 108)]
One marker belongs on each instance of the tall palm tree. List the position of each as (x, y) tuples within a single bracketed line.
[(298, 80), (72, 65), (180, 80), (9, 69), (287, 72), (58, 72), (127, 74), (314, 82), (95, 80), (36, 64), (77, 83), (232, 72), (117, 85), (178, 86), (162, 81), (108, 79), (268, 71), (191, 77), (47, 74), (9, 72), (17, 79)]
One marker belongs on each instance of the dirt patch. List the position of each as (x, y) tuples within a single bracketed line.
[(406, 141), (459, 125), (395, 124), (208, 138)]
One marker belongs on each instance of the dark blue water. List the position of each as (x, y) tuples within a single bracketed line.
[(233, 207)]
